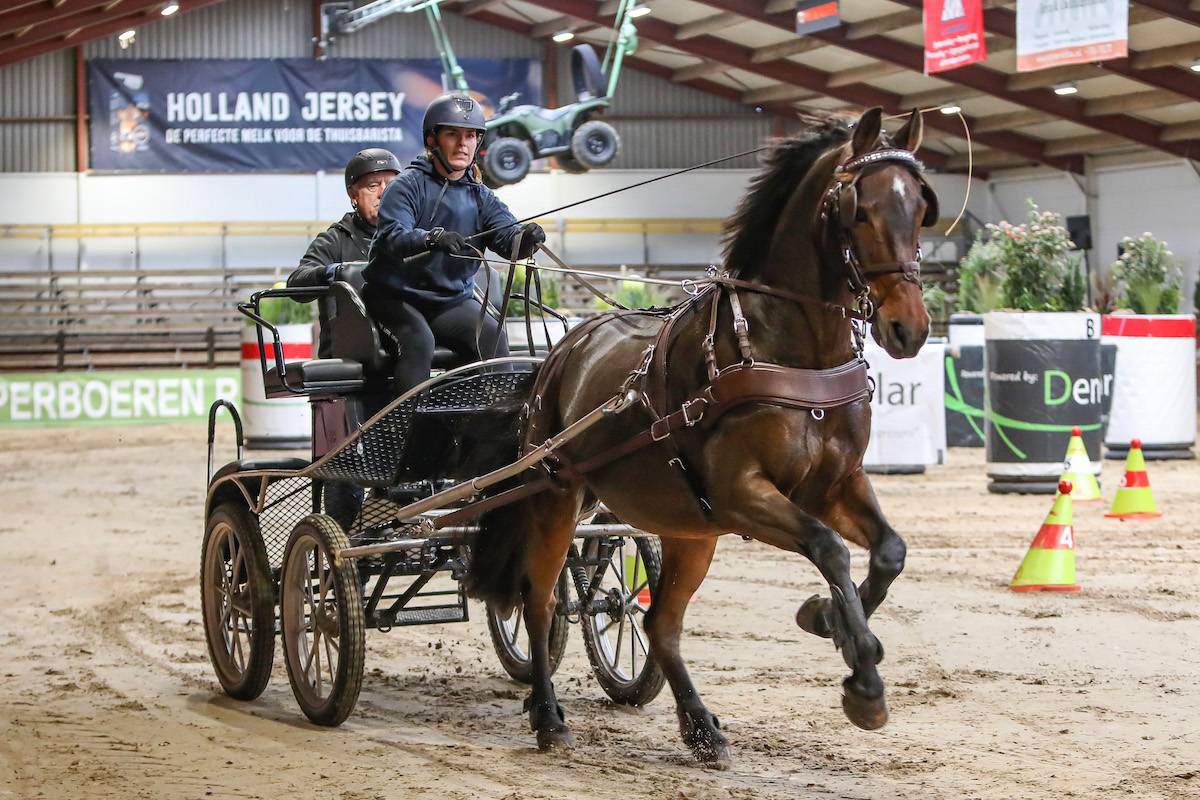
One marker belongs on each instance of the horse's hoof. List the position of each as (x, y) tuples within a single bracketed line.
[(868, 713), (704, 738), (813, 616), (559, 739)]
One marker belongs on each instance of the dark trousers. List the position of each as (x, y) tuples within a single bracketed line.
[(417, 328)]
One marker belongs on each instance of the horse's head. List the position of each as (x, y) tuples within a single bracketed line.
[(875, 209)]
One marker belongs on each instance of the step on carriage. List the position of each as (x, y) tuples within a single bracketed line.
[(276, 563)]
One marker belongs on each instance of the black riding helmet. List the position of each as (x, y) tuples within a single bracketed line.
[(373, 159), (455, 110)]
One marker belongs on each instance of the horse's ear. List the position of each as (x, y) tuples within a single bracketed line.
[(867, 130), (909, 137)]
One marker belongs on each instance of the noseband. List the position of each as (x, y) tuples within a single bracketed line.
[(840, 205)]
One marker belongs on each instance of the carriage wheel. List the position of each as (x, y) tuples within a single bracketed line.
[(511, 640), (237, 601), (616, 638), (322, 621)]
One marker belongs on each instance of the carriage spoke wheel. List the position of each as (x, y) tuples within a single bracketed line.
[(238, 602), (511, 641), (614, 630), (322, 623)]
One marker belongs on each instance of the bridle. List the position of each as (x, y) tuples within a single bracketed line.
[(839, 208)]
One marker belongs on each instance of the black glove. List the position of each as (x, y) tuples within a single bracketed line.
[(534, 235), (451, 242)]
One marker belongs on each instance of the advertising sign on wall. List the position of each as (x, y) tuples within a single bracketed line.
[(953, 34), (110, 398), (816, 15), (293, 114), (1051, 33)]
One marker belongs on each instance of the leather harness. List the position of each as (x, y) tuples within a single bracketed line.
[(729, 387)]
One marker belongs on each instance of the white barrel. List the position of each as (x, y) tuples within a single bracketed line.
[(908, 411), (1043, 378), (278, 423), (964, 381), (1154, 392)]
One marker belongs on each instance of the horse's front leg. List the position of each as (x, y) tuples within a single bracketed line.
[(856, 515), (757, 508), (685, 562)]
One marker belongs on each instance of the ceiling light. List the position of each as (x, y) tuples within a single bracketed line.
[(563, 36), (127, 38), (169, 8), (1067, 88), (1196, 66), (950, 109), (639, 11)]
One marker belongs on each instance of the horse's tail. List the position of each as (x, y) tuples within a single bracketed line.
[(497, 573)]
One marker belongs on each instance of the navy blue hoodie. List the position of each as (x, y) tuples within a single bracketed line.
[(467, 206)]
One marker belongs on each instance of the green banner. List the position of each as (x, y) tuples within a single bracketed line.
[(113, 398)]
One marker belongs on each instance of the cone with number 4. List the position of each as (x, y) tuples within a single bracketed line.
[(1077, 470), (1134, 499), (1049, 566)]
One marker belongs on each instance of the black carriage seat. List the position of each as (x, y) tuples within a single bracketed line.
[(358, 345)]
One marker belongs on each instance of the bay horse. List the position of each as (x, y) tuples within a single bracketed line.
[(826, 235)]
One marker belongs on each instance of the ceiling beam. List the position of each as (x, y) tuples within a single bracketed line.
[(990, 81), (788, 47), (62, 26), (1011, 120), (22, 18), (1176, 9), (1137, 101), (985, 159), (1085, 144), (97, 31), (738, 57), (471, 7), (1166, 56), (543, 30), (785, 112), (1004, 22), (1054, 75), (863, 74), (1181, 131), (888, 22), (707, 25), (700, 69), (780, 91)]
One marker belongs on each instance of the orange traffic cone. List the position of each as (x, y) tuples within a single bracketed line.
[(1077, 470), (1134, 499), (1049, 566)]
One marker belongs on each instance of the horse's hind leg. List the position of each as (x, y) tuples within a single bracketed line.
[(856, 515), (552, 527), (684, 564)]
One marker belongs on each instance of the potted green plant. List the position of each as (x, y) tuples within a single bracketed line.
[(283, 422), (1155, 378), (1041, 356)]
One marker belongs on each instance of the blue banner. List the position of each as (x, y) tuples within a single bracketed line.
[(288, 114)]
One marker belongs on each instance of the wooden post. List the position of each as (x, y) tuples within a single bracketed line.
[(81, 131)]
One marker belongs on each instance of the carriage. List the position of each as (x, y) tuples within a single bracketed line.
[(275, 562)]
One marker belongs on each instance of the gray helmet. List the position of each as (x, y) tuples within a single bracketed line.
[(374, 159), (454, 110)]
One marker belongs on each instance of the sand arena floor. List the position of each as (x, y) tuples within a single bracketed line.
[(106, 689)]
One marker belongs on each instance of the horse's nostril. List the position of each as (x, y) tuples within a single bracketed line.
[(899, 334)]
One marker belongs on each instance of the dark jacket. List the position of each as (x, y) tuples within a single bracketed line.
[(411, 207), (344, 241)]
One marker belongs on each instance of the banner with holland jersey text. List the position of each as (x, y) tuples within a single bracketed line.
[(283, 114)]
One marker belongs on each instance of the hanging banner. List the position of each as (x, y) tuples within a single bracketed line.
[(1051, 33), (296, 115), (953, 34), (816, 15)]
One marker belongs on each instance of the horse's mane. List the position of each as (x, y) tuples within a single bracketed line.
[(747, 234)]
